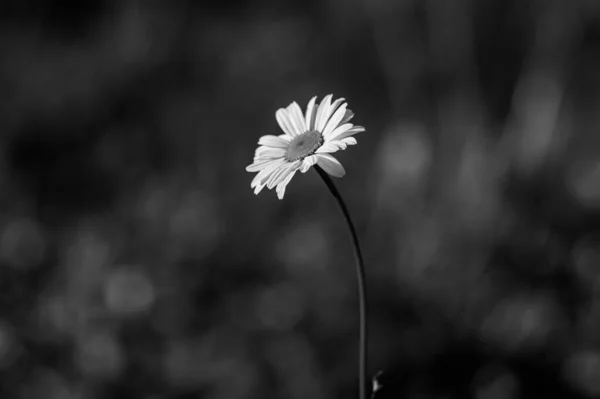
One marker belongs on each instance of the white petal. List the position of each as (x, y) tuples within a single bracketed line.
[(279, 175), (327, 148), (274, 176), (339, 130), (349, 115), (334, 121), (267, 166), (257, 165), (281, 186), (349, 140), (272, 141), (254, 181), (260, 176), (331, 146), (308, 162), (258, 188), (331, 165), (257, 179), (273, 169), (269, 152), (335, 104), (311, 112), (289, 169), (323, 113), (296, 117), (262, 164), (284, 122), (346, 133), (263, 176)]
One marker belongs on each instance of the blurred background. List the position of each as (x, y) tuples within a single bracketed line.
[(135, 261)]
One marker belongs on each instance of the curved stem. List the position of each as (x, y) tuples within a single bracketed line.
[(362, 286)]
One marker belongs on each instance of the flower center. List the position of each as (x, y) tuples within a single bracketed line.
[(304, 145)]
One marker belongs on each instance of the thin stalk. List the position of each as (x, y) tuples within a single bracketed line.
[(362, 285)]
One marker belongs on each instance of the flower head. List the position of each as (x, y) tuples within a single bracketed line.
[(309, 138)]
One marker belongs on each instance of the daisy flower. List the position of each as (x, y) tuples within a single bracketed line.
[(309, 138)]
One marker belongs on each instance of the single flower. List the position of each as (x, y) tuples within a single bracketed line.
[(308, 139)]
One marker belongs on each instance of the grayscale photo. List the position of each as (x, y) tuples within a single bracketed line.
[(299, 199)]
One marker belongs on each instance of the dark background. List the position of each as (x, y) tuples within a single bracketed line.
[(135, 261)]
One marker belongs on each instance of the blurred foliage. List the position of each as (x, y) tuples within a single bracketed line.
[(135, 261)]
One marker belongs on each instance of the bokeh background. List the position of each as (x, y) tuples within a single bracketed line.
[(135, 261)]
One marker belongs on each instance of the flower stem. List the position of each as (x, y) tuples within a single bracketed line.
[(362, 286)]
